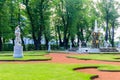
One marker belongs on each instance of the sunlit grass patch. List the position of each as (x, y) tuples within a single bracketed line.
[(47, 71), (28, 55), (104, 57)]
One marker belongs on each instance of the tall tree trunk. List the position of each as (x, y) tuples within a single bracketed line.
[(24, 48), (11, 18), (72, 40), (110, 36), (56, 37), (42, 26), (81, 35), (78, 35), (106, 32), (0, 43), (59, 36), (113, 26), (46, 42), (65, 39), (32, 25), (65, 33), (40, 37), (13, 41), (78, 38), (36, 44)]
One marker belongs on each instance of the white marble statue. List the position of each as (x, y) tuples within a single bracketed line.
[(80, 43), (17, 34), (18, 49), (106, 44)]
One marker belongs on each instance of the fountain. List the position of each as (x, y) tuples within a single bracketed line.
[(95, 37), (95, 42)]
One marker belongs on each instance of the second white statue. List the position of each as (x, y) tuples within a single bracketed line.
[(18, 48)]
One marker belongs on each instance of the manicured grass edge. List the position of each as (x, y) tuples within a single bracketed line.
[(92, 77), (91, 59), (29, 60)]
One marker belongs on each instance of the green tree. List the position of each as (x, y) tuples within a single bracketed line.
[(109, 14), (38, 14), (4, 21)]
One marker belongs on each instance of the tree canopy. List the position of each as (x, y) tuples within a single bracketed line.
[(64, 21)]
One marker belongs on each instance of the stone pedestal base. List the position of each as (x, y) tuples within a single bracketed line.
[(18, 51)]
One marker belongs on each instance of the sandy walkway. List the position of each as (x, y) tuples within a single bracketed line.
[(102, 74), (61, 58)]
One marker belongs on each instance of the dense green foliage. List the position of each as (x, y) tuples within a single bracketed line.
[(64, 21)]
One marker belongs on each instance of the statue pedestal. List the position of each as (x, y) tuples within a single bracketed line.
[(18, 51)]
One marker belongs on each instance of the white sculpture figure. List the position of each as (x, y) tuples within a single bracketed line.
[(18, 49), (106, 44), (17, 34), (70, 45), (80, 43)]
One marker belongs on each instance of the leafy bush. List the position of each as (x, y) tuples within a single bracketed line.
[(7, 47)]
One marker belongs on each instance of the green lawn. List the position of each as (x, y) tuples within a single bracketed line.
[(27, 58), (104, 57), (46, 71), (25, 53), (28, 55)]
